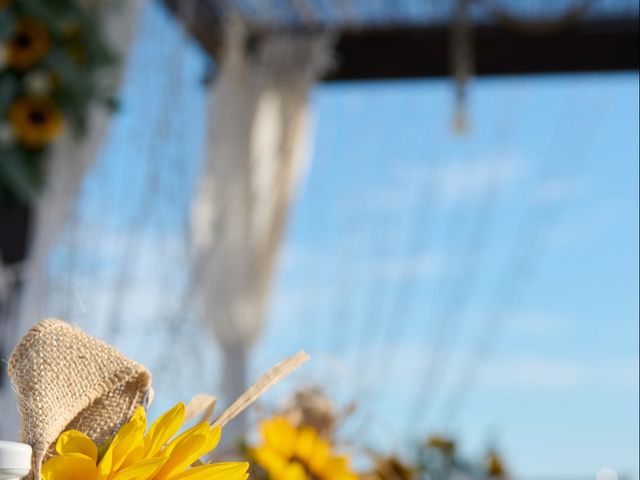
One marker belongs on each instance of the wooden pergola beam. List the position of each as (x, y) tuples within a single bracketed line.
[(418, 52), (203, 22), (423, 51)]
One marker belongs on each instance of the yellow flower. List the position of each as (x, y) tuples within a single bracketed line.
[(495, 467), (28, 45), (36, 121), (290, 453), (133, 455)]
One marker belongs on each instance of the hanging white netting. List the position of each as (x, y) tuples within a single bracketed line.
[(121, 269)]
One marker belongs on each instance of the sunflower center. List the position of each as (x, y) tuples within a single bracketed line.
[(37, 116), (23, 40)]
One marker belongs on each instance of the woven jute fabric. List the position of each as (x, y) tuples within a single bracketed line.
[(65, 379)]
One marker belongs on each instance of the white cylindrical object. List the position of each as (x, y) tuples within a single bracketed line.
[(15, 460)]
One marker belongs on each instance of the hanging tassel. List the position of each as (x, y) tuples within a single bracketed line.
[(462, 63)]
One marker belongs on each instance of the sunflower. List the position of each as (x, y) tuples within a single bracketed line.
[(290, 453), (133, 455), (36, 121), (28, 45)]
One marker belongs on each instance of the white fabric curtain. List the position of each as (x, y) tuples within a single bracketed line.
[(257, 146), (67, 165)]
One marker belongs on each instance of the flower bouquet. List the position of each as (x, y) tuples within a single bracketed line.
[(83, 413), (299, 441)]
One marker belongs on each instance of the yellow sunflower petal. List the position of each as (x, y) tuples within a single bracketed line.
[(188, 451), (126, 447), (293, 471), (163, 429), (212, 438), (128, 441), (105, 466), (143, 470), (305, 444), (344, 476), (201, 428), (71, 466), (337, 468), (215, 471), (135, 451), (269, 459), (74, 441), (321, 454), (139, 417), (336, 464), (280, 434)]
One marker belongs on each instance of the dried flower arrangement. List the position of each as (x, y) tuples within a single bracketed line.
[(82, 408), (299, 441)]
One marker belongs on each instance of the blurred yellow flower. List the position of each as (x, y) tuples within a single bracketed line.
[(28, 44), (133, 455), (36, 121), (495, 467), (290, 453)]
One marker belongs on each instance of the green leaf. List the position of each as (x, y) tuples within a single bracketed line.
[(9, 90), (18, 174), (81, 80), (7, 24)]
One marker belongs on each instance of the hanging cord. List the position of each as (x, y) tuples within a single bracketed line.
[(527, 252), (462, 53), (418, 240), (449, 319)]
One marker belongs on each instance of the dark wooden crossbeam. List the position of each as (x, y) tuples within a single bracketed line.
[(419, 51), (203, 20), (415, 52)]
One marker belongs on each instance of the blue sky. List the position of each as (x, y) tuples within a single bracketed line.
[(549, 273), (508, 256)]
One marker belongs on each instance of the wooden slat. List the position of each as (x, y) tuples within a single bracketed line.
[(423, 51)]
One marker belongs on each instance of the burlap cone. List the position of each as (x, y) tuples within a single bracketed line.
[(66, 379)]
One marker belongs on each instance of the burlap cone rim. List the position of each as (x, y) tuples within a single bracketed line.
[(128, 374)]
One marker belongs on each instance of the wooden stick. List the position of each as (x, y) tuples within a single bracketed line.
[(266, 381)]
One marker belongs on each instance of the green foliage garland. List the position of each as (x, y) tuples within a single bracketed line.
[(54, 65)]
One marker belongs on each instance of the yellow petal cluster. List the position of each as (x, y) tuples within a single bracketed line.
[(291, 453), (137, 454)]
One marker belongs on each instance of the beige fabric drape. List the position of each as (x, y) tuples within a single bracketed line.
[(257, 147)]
